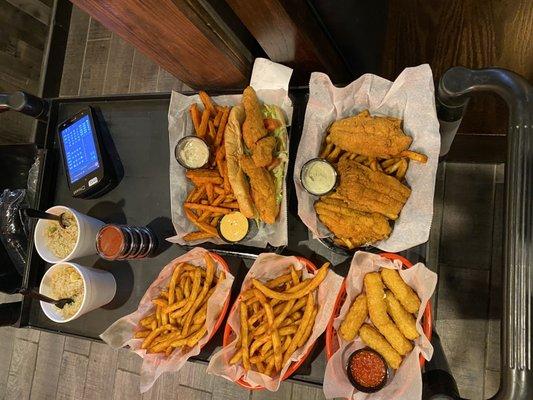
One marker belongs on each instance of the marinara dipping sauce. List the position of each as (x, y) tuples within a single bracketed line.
[(367, 370)]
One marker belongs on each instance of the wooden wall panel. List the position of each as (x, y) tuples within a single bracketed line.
[(175, 36), (289, 33), (471, 33)]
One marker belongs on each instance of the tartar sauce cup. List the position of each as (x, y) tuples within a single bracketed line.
[(191, 152), (318, 177)]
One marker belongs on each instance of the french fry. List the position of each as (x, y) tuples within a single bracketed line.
[(293, 293), (413, 155), (402, 169), (195, 116), (208, 103), (227, 185), (198, 235), (209, 189), (216, 122), (326, 151), (211, 132), (222, 127), (203, 207), (202, 129), (388, 162), (244, 336), (200, 191), (141, 334)]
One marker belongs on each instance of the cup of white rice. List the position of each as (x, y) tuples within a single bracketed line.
[(56, 244), (90, 288)]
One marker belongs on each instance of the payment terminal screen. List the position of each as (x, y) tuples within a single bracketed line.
[(80, 149)]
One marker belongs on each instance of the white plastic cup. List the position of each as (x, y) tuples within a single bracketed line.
[(99, 288), (88, 228)]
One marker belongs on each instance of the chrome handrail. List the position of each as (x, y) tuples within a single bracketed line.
[(454, 89)]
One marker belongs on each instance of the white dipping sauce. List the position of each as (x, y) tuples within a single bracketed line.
[(319, 177), (194, 153)]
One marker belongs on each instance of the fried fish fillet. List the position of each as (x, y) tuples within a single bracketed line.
[(371, 191), (234, 149), (370, 136), (253, 128), (263, 190), (361, 228), (262, 153)]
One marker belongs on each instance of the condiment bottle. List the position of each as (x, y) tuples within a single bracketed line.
[(121, 242)]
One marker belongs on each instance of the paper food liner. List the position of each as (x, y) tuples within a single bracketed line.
[(410, 97), (269, 266), (406, 383), (120, 334), (271, 83)]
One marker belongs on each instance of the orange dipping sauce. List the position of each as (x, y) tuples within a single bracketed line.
[(110, 242)]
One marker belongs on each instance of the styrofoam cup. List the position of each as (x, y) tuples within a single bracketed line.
[(99, 288), (88, 228)]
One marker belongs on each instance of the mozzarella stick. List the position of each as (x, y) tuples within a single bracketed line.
[(405, 295), (378, 343), (377, 308), (403, 319), (355, 317)]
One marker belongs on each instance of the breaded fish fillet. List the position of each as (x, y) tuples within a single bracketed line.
[(370, 136), (371, 191), (361, 228), (263, 190), (253, 128), (377, 308), (262, 153)]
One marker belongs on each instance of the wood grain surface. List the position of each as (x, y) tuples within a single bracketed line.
[(290, 34), (172, 34), (471, 33)]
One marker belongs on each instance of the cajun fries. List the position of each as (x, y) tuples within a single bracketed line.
[(212, 196), (178, 320), (393, 325), (276, 318)]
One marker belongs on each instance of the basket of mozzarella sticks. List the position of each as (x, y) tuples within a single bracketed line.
[(179, 313), (379, 335), (367, 160), (228, 162), (284, 306)]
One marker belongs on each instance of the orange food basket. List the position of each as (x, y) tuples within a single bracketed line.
[(228, 333), (331, 335)]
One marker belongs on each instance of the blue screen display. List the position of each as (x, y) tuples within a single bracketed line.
[(80, 149)]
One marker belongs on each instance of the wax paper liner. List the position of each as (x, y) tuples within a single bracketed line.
[(120, 334), (410, 97), (271, 83), (269, 266), (406, 384)]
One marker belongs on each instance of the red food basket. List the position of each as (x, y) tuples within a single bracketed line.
[(331, 339), (228, 332)]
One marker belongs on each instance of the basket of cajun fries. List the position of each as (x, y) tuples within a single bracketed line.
[(385, 310), (284, 306), (179, 313), (228, 167), (366, 164)]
